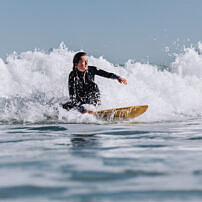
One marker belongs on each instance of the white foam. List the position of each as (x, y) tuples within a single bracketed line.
[(33, 83)]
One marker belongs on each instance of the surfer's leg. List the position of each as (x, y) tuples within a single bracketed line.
[(77, 106), (96, 99), (93, 96), (68, 105)]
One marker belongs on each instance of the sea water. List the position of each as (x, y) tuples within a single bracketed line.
[(48, 154)]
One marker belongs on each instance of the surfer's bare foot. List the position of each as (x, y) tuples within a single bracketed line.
[(88, 111)]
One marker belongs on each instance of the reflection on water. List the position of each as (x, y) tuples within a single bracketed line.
[(80, 141), (84, 145)]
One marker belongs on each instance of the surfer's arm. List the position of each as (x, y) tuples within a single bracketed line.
[(110, 75), (105, 74)]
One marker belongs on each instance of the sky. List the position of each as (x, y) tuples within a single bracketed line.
[(118, 30)]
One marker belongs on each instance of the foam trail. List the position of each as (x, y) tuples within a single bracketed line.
[(34, 83)]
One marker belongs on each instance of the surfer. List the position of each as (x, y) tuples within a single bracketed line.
[(82, 88)]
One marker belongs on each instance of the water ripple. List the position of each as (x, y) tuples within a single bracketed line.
[(29, 190)]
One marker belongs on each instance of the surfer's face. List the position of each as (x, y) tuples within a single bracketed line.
[(83, 63)]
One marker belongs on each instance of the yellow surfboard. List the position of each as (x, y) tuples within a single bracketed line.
[(121, 113)]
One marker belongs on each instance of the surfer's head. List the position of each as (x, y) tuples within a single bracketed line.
[(80, 61)]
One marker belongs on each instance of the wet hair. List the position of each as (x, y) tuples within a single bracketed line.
[(77, 58)]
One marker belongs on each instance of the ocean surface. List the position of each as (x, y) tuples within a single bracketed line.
[(49, 154)]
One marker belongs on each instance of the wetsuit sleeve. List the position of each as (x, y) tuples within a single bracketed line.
[(103, 73)]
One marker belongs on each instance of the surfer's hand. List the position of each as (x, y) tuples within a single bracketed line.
[(122, 80)]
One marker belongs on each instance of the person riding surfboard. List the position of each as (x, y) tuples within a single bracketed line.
[(82, 88)]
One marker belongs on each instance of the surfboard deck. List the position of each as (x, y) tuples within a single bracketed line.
[(124, 113)]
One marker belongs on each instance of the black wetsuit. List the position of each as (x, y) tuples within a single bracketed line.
[(83, 89)]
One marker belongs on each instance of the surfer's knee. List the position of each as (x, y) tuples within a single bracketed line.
[(67, 106)]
